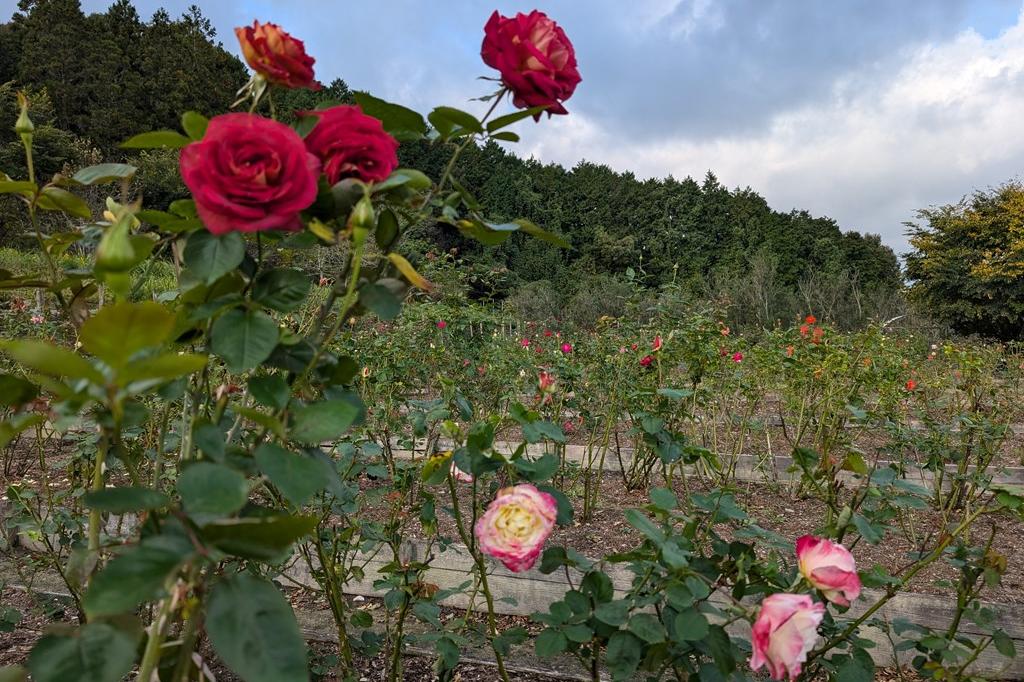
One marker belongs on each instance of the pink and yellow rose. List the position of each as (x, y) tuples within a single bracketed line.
[(829, 567), (516, 525), (784, 632)]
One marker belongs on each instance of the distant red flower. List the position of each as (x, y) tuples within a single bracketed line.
[(465, 362), (566, 348), (568, 427), (546, 382), (525, 343), (538, 350), (810, 319), (722, 352), (547, 332), (817, 335), (646, 361), (804, 330), (789, 351), (441, 324), (634, 346), (724, 331), (737, 357), (911, 384), (656, 346)]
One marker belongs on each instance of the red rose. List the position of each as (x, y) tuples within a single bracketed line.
[(249, 173), (277, 56), (352, 144), (535, 58)]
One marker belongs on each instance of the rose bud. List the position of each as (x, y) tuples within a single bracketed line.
[(535, 59), (784, 632), (829, 567), (276, 56), (460, 475), (515, 526)]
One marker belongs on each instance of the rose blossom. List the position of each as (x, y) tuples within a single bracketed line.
[(276, 56), (516, 525), (525, 343), (656, 346), (351, 144), (817, 335), (829, 567), (804, 329), (810, 319), (785, 630), (441, 324), (566, 348), (460, 475), (546, 382), (535, 58), (737, 357), (37, 319), (646, 361), (911, 384), (249, 173)]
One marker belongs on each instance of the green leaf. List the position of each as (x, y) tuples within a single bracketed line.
[(210, 491), (194, 124), (447, 652), (253, 630), (103, 173), (647, 627), (163, 366), (16, 391), (95, 652), (134, 576), (52, 360), (535, 231), (167, 139), (125, 499), (18, 187), (506, 136), (870, 532), (283, 289), (244, 338), (1004, 644), (380, 300), (508, 119), (664, 499), (118, 331), (691, 626), (403, 123), (265, 538), (446, 118), (297, 476), (270, 391), (322, 421), (642, 523), (859, 667), (209, 257), (57, 199), (625, 651), (550, 642), (613, 613)]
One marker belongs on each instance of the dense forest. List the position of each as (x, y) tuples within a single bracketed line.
[(94, 80)]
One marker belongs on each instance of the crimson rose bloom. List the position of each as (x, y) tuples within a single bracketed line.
[(249, 173), (275, 55), (535, 58), (352, 144)]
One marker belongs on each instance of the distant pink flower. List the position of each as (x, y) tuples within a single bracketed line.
[(622, 349), (567, 348), (465, 362), (524, 342), (656, 346), (646, 361), (460, 475), (723, 330), (568, 427), (784, 632), (324, 281), (829, 567), (37, 319), (634, 346), (441, 324), (737, 357), (516, 525)]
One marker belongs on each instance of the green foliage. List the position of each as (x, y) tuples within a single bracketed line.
[(967, 269)]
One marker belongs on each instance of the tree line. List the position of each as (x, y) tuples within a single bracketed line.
[(96, 79)]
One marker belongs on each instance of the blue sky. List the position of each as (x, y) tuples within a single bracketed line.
[(862, 110)]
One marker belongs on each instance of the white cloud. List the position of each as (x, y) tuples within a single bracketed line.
[(948, 118)]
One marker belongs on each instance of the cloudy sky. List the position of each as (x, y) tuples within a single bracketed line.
[(862, 110)]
